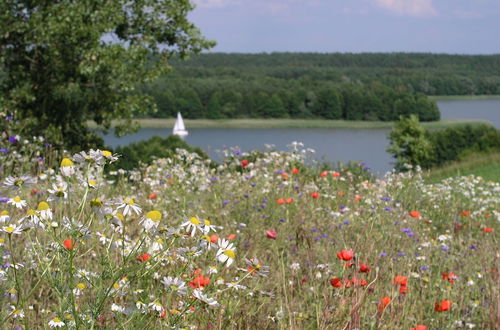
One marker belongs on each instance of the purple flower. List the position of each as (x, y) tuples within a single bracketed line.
[(48, 144), (314, 230), (225, 202), (387, 208), (401, 254), (9, 118), (4, 151), (473, 247), (12, 139), (444, 248), (406, 230), (346, 222), (424, 268), (4, 199), (385, 198), (282, 220), (382, 254)]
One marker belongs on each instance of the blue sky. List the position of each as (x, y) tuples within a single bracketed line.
[(438, 26)]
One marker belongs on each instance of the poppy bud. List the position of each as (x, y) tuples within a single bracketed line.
[(143, 257), (315, 195), (280, 201), (244, 163), (272, 234), (295, 170), (152, 196), (415, 214), (364, 268)]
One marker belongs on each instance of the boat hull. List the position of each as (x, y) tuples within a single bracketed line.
[(181, 133)]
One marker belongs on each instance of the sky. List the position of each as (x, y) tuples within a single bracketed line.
[(324, 26)]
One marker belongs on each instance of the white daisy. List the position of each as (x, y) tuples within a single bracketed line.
[(4, 216), (56, 323), (44, 211), (128, 205), (67, 167), (12, 229), (58, 192), (175, 284), (192, 225), (17, 202), (151, 220), (211, 302), (226, 252)]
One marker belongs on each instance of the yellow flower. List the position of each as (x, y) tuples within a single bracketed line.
[(66, 162)]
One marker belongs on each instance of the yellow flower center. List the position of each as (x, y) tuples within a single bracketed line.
[(16, 311), (43, 206), (96, 202), (19, 182), (4, 212), (81, 286), (195, 221), (106, 153), (56, 320), (92, 183), (2, 240), (129, 201), (12, 291), (9, 229), (207, 222), (154, 215), (17, 199), (66, 162), (120, 216), (230, 254)]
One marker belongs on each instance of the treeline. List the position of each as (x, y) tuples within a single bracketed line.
[(370, 86), (274, 98)]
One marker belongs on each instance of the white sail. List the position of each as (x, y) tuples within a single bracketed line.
[(179, 128)]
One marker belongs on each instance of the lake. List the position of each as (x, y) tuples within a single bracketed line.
[(367, 145)]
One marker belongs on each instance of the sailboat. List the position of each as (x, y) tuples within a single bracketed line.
[(179, 128)]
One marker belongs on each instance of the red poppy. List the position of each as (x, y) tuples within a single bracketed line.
[(304, 280), (403, 289), (415, 214), (357, 198), (143, 257), (244, 163), (442, 306), (152, 196), (323, 174), (487, 229), (420, 327), (349, 264), (295, 170), (451, 277), (384, 302), (199, 282), (315, 195), (284, 176), (272, 234), (336, 282), (289, 200), (280, 201), (69, 244), (358, 282), (335, 174), (345, 255), (364, 268), (465, 213), (400, 280), (214, 238), (231, 237), (34, 192)]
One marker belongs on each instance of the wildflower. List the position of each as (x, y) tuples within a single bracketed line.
[(442, 306), (226, 252), (56, 323), (272, 234), (58, 191), (69, 244), (109, 156), (487, 229), (280, 201), (336, 282), (67, 167), (177, 285), (400, 280), (345, 255), (256, 268), (152, 196), (128, 205), (335, 174), (12, 229), (18, 182), (207, 227), (199, 282), (364, 268), (420, 327), (4, 216), (465, 213), (289, 200), (315, 195), (192, 225), (415, 214), (231, 237), (143, 257), (450, 277), (151, 220), (244, 163), (295, 170), (17, 202), (211, 302), (17, 313), (383, 303), (93, 157), (156, 306), (78, 290), (323, 174), (44, 211)]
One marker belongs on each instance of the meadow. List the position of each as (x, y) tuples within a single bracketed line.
[(265, 240)]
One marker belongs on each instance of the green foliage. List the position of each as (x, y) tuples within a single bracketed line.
[(156, 147), (409, 143), (66, 62)]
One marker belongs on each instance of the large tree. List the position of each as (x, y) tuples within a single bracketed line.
[(65, 62)]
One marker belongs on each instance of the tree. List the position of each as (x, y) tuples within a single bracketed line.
[(409, 143), (66, 62)]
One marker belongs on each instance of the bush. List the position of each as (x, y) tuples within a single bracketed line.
[(155, 147)]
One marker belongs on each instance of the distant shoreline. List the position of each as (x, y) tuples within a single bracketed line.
[(290, 123), (463, 97)]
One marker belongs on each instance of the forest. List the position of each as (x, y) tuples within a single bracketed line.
[(367, 86)]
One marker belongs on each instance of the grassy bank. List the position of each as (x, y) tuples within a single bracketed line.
[(464, 97), (484, 165), (290, 123)]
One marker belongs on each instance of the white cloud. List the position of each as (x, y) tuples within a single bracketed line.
[(419, 8)]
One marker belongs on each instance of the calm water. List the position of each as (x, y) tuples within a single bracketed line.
[(333, 145)]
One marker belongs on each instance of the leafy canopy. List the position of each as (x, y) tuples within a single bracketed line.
[(66, 62)]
